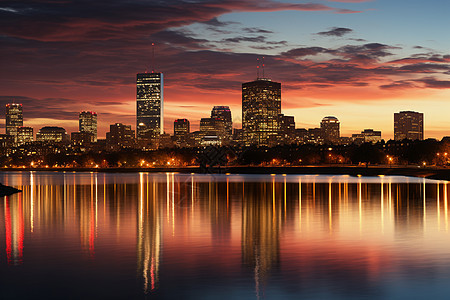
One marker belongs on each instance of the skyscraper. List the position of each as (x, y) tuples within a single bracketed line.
[(224, 113), (14, 119), (330, 129), (181, 127), (261, 105), (88, 123), (149, 105), (408, 125)]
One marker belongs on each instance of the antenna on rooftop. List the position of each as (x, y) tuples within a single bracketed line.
[(263, 66), (257, 68), (153, 57)]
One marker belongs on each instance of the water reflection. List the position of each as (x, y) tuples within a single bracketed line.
[(265, 236)]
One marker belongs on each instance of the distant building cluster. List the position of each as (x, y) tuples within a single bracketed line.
[(263, 124)]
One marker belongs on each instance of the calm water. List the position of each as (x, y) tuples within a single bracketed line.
[(175, 236)]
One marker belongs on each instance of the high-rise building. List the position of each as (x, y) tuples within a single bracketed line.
[(14, 119), (287, 129), (88, 124), (224, 113), (52, 134), (149, 105), (330, 129), (24, 135), (261, 105), (213, 127), (181, 127), (408, 125), (119, 136)]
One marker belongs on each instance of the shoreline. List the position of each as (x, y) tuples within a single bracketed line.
[(414, 171)]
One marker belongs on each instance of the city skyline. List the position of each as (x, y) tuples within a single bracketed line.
[(332, 57)]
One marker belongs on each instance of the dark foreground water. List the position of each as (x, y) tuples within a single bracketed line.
[(177, 236)]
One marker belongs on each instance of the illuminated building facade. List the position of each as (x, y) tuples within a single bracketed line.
[(330, 127), (149, 105), (213, 127), (88, 124), (181, 129), (287, 129), (261, 105), (408, 125), (14, 119), (367, 136), (224, 113), (24, 135), (120, 136), (52, 134)]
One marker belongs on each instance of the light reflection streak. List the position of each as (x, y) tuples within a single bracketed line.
[(424, 207), (445, 206), (300, 203), (438, 207), (382, 206), (31, 201)]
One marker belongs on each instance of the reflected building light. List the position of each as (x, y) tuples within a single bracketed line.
[(424, 207), (14, 230), (173, 205), (360, 205), (438, 207), (446, 206), (330, 226), (285, 196), (382, 206), (149, 236), (31, 201), (167, 197), (300, 203)]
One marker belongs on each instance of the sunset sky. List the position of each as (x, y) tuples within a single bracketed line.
[(358, 60)]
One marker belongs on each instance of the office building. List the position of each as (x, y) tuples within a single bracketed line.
[(120, 136), (88, 124), (52, 134), (367, 136), (149, 105), (261, 105), (287, 129), (14, 119), (330, 130), (408, 125), (213, 127), (181, 127), (224, 113), (24, 135)]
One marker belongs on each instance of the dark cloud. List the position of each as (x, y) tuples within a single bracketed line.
[(177, 38), (397, 85), (336, 31), (431, 82), (300, 52)]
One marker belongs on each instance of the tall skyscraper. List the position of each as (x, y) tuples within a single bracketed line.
[(224, 113), (88, 123), (181, 127), (14, 119), (330, 129), (408, 125), (149, 105), (261, 105)]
